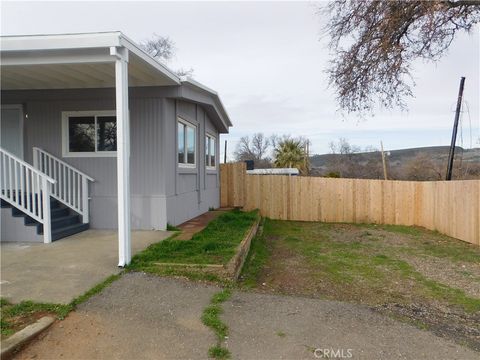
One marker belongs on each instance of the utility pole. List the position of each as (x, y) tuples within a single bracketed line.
[(307, 157), (384, 162), (225, 153), (451, 153)]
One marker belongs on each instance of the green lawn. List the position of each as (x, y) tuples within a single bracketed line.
[(216, 244)]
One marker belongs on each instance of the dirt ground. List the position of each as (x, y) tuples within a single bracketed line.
[(137, 317), (411, 274)]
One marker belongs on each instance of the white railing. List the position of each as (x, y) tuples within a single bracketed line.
[(26, 188), (71, 187)]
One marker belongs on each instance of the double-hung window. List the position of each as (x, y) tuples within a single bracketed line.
[(210, 150), (89, 133), (186, 143)]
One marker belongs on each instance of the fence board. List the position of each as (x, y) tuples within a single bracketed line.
[(450, 207)]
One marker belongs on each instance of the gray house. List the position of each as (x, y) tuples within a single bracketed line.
[(97, 134)]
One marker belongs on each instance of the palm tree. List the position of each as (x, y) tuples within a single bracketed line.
[(290, 153)]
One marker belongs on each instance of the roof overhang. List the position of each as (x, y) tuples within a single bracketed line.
[(70, 61), (212, 102)]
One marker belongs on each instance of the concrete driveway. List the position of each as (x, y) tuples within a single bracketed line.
[(60, 271), (142, 316)]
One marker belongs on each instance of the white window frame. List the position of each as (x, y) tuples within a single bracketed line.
[(65, 139), (194, 127), (207, 151)]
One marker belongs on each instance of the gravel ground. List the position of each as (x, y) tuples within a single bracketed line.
[(286, 327), (142, 316)]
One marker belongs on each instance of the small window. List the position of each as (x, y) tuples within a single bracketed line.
[(106, 133), (210, 151), (186, 143), (89, 133)]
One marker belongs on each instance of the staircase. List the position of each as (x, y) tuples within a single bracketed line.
[(64, 221), (50, 195)]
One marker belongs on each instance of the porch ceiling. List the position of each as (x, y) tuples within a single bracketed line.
[(71, 61)]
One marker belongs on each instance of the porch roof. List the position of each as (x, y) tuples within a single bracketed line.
[(87, 60), (68, 61)]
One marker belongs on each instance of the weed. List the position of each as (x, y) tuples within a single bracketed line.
[(171, 227), (211, 318), (219, 352), (221, 296), (95, 290), (281, 334)]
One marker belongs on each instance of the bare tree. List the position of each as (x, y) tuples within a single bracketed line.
[(374, 43), (163, 49), (257, 149), (421, 168), (159, 47), (342, 146)]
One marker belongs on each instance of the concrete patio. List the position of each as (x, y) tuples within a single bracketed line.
[(60, 271)]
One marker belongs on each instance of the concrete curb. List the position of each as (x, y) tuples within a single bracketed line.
[(21, 337)]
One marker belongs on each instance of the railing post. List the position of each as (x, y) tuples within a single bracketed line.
[(85, 213), (35, 158), (47, 223)]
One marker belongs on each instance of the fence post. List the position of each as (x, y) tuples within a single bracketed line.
[(47, 223)]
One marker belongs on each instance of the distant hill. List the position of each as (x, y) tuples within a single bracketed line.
[(396, 159)]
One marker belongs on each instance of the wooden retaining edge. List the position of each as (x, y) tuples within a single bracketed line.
[(207, 266), (234, 266), (20, 338)]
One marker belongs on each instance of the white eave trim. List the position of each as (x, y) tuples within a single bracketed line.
[(60, 41), (135, 49)]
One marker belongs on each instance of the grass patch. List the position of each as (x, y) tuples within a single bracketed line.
[(211, 318), (16, 316), (216, 244), (398, 229)]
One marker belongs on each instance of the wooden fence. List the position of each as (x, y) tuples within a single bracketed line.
[(450, 207)]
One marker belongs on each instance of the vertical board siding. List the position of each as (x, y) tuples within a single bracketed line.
[(450, 207)]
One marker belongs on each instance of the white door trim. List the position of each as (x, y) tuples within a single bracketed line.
[(20, 108)]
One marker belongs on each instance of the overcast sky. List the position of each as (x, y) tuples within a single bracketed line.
[(267, 61)]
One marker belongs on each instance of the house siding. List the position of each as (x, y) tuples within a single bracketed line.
[(160, 191), (190, 192)]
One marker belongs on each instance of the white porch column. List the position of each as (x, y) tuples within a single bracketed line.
[(123, 155)]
